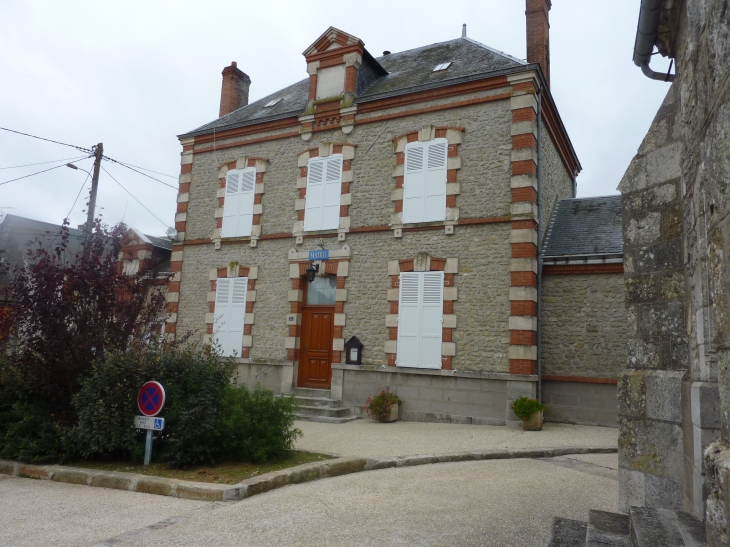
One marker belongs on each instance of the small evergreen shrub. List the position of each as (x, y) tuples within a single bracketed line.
[(524, 407), (256, 425)]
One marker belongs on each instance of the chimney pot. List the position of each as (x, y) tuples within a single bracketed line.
[(537, 14), (234, 92)]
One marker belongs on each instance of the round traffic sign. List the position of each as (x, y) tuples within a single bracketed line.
[(151, 398)]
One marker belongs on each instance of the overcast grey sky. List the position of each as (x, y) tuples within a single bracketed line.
[(133, 74)]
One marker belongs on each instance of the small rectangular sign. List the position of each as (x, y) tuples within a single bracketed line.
[(149, 422), (319, 254)]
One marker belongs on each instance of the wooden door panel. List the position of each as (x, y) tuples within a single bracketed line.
[(315, 353)]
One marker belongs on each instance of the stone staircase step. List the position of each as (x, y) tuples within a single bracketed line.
[(607, 529), (652, 527), (567, 533), (326, 419), (309, 392), (315, 401), (332, 411)]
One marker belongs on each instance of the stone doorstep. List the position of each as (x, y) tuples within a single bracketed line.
[(135, 482)]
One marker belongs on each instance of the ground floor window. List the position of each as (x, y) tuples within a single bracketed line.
[(420, 319), (230, 312)]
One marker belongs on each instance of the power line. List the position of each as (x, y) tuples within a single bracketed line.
[(143, 168), (32, 174), (42, 162), (140, 172), (49, 140), (134, 198)]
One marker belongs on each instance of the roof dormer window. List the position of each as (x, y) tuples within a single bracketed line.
[(272, 103), (442, 66)]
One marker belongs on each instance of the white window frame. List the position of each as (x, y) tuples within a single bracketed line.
[(424, 181), (238, 202), (230, 314), (420, 320), (324, 190)]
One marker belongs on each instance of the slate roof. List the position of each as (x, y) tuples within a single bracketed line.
[(408, 71), (584, 227), (18, 233)]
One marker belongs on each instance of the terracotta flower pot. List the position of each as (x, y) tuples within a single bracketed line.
[(534, 422), (392, 416)]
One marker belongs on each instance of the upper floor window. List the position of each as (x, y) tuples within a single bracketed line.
[(238, 202), (424, 184), (324, 187)]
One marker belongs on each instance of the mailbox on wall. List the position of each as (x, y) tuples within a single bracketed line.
[(353, 351)]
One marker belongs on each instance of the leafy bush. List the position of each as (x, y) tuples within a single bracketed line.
[(194, 386), (378, 407), (523, 407), (257, 426)]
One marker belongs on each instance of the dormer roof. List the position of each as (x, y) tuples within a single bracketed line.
[(332, 38)]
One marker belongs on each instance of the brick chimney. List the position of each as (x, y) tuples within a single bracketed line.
[(538, 34), (234, 93)]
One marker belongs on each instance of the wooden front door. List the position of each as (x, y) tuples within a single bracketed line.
[(315, 344)]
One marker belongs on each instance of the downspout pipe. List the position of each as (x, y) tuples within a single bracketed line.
[(539, 242), (646, 35)]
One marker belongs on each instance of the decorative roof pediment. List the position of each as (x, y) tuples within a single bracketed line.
[(332, 39)]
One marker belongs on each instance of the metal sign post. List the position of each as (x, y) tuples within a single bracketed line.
[(151, 399)]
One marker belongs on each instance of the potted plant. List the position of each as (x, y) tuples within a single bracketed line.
[(383, 407), (530, 412)]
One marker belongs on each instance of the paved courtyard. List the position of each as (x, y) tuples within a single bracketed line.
[(485, 503)]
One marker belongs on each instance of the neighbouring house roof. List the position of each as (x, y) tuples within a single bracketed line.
[(393, 74), (18, 233), (585, 228)]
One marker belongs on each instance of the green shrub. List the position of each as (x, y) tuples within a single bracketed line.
[(524, 407), (257, 426), (194, 385), (207, 419)]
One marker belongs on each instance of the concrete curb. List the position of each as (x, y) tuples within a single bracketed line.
[(307, 472)]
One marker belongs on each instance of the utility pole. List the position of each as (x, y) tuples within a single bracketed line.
[(99, 151)]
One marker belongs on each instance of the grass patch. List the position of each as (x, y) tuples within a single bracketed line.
[(224, 473)]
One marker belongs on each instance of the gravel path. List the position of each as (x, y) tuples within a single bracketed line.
[(505, 503), (368, 438), (53, 514)]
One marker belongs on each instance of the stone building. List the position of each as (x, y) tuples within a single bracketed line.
[(674, 396), (413, 188), (583, 335)]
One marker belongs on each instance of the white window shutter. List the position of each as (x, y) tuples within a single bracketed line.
[(238, 202), (420, 319), (315, 195), (414, 183), (332, 192), (409, 320), (231, 204), (230, 311), (432, 309), (245, 207), (435, 199)]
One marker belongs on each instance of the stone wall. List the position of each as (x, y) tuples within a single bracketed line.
[(650, 390), (580, 403), (481, 308), (583, 325), (437, 395), (701, 43), (484, 176), (557, 183)]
